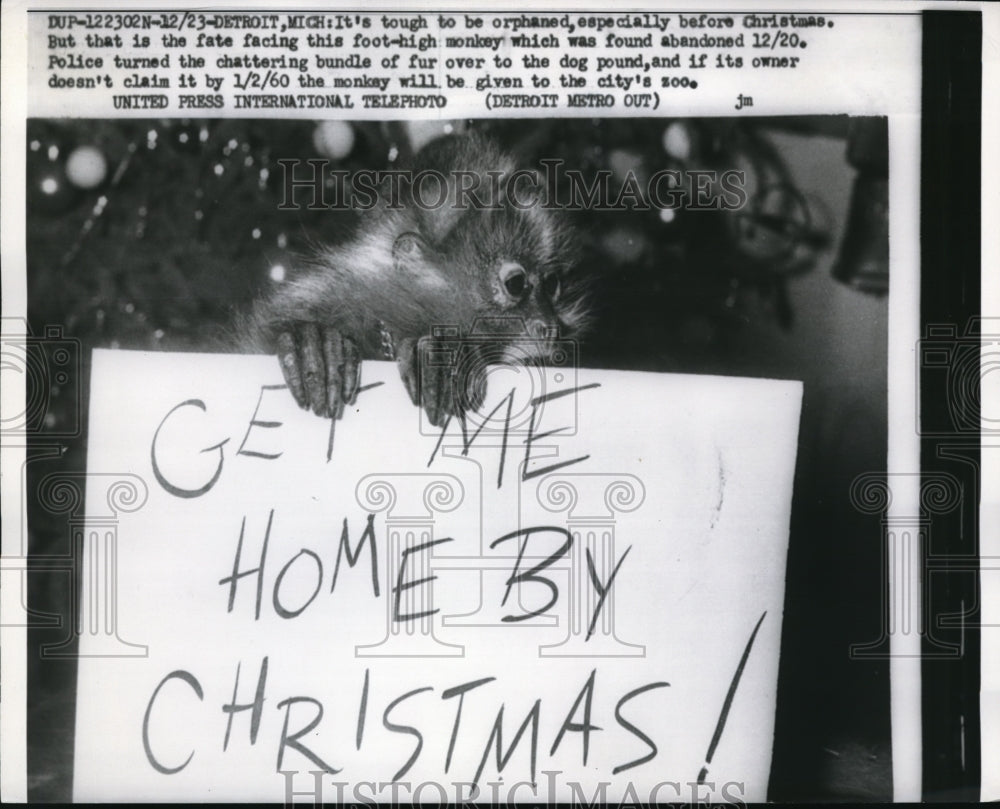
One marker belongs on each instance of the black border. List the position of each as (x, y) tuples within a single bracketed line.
[(950, 263)]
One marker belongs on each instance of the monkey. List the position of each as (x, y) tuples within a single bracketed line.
[(461, 259)]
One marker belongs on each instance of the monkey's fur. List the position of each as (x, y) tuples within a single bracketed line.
[(413, 267)]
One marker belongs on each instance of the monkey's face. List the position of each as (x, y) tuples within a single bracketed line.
[(525, 301), (511, 265), (527, 256)]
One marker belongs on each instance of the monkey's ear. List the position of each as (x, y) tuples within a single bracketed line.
[(407, 250), (412, 256), (439, 220)]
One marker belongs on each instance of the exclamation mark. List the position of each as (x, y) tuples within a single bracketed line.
[(721, 724)]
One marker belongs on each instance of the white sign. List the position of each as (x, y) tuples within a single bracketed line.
[(576, 592)]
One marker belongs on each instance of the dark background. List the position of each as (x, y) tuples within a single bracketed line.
[(151, 234)]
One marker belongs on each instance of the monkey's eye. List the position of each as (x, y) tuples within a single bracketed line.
[(514, 279), (515, 284), (550, 286)]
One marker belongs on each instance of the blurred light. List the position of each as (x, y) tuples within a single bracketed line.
[(277, 272), (677, 141)]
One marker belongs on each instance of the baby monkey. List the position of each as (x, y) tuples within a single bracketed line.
[(458, 264)]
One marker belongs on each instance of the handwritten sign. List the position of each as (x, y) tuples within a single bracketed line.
[(576, 591)]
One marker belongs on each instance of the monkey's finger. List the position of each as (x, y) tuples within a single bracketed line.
[(290, 369), (333, 355), (406, 359), (313, 370), (424, 372), (435, 382), (428, 388), (451, 404), (443, 395), (475, 389), (470, 388), (352, 371)]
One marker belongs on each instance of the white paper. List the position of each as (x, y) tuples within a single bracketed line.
[(684, 481)]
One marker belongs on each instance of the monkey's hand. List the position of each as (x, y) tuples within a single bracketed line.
[(322, 367), (441, 376)]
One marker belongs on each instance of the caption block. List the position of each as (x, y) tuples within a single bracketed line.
[(394, 64)]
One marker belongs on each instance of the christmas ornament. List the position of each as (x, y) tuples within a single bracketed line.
[(422, 132), (86, 167), (773, 224), (863, 262), (677, 140), (624, 245), (624, 162), (184, 136), (333, 139), (49, 189)]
